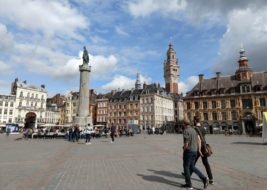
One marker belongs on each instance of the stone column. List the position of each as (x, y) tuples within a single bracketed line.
[(83, 116)]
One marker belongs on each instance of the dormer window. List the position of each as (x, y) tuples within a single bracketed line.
[(232, 90), (245, 88), (257, 88)]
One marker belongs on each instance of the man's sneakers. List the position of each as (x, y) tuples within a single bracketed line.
[(87, 143), (187, 186), (211, 182), (206, 183)]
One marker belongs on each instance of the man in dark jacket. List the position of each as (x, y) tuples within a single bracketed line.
[(112, 132)]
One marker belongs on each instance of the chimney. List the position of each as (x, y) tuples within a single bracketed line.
[(218, 74), (200, 77), (144, 85)]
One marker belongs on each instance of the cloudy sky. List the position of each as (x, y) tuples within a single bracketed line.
[(42, 40)]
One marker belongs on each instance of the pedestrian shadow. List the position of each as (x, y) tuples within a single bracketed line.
[(105, 140), (170, 174), (18, 139), (81, 143), (250, 143), (154, 178), (167, 173)]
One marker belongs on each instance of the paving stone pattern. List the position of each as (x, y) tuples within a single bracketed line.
[(141, 162)]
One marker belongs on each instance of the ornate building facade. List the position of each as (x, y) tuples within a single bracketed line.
[(102, 108), (71, 106), (7, 109), (156, 107), (30, 105), (237, 101), (124, 107)]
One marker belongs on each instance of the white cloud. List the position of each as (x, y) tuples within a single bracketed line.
[(6, 42), (120, 31), (119, 82), (4, 68), (142, 8), (250, 28), (4, 87), (188, 84), (122, 82), (58, 65), (103, 66), (50, 17)]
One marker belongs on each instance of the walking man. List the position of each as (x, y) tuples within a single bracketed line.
[(192, 144), (112, 132)]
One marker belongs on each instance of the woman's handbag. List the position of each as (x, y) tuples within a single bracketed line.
[(208, 150)]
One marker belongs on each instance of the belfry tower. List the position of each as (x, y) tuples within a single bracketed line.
[(171, 71)]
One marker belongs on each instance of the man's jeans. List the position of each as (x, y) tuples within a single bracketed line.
[(87, 137), (189, 158)]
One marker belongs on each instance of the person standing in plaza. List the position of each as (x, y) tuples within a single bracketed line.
[(202, 132), (87, 132), (8, 131), (112, 132), (77, 133), (191, 146)]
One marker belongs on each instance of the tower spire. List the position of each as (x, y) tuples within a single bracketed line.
[(137, 82), (244, 72)]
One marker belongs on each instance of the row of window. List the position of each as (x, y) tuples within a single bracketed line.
[(142, 117), (32, 95), (121, 114), (214, 116), (5, 111), (214, 104), (101, 119), (246, 103), (102, 104), (157, 117), (32, 104), (131, 106), (146, 100), (11, 104), (102, 111)]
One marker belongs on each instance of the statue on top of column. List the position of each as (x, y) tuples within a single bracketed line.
[(85, 56)]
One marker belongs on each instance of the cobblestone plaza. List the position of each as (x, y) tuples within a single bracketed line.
[(130, 163)]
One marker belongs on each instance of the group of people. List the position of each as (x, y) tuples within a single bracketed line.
[(193, 148), (74, 133)]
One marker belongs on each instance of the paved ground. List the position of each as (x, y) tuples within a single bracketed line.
[(131, 163)]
